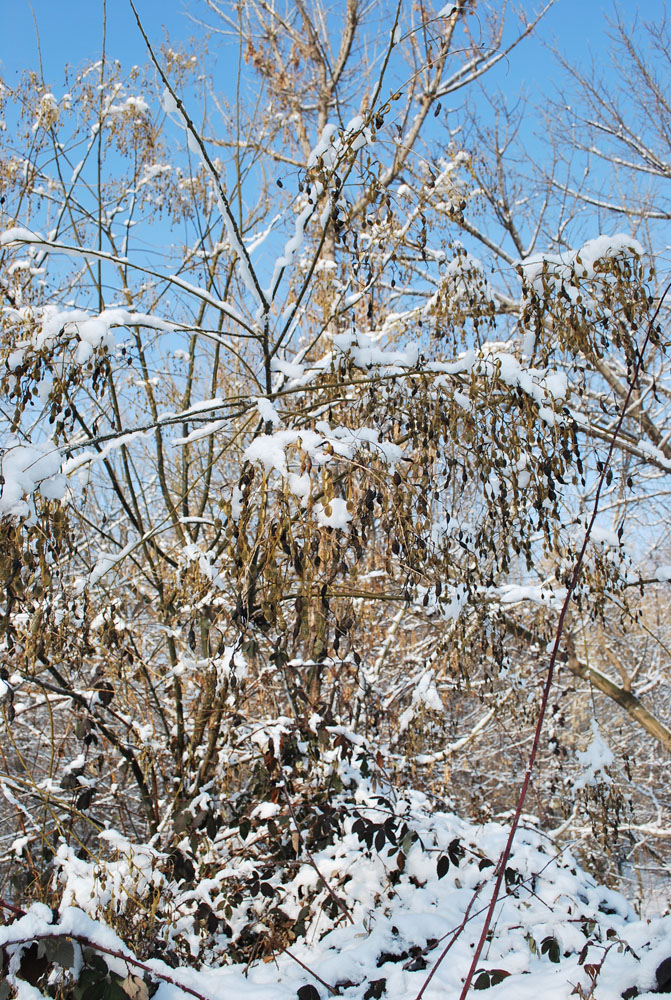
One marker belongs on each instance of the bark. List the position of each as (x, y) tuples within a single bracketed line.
[(627, 700)]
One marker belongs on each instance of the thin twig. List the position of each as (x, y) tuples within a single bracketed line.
[(332, 991), (229, 218)]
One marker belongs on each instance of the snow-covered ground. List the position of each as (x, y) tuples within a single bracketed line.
[(415, 883)]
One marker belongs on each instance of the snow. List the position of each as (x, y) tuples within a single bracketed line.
[(92, 333), (291, 369), (106, 561), (464, 277), (206, 562), (213, 427), (18, 234), (586, 262), (124, 317), (169, 103), (603, 247), (605, 536), (365, 353), (325, 149), (268, 449), (87, 457), (594, 760), (515, 593), (85, 333), (424, 693), (300, 486), (323, 445), (153, 170), (267, 411), (134, 105), (26, 469), (334, 514), (493, 360), (265, 810), (236, 503)]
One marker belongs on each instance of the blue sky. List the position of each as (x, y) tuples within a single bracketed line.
[(70, 32)]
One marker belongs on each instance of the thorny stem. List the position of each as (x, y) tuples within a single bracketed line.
[(332, 991), (85, 942), (449, 944), (80, 939)]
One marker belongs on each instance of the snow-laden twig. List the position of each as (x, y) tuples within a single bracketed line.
[(20, 235)]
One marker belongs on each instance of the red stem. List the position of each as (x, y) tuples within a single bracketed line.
[(503, 860), (449, 944)]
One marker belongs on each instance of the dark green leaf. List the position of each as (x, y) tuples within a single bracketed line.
[(61, 951), (96, 991), (550, 947), (84, 799), (308, 993), (443, 865), (498, 975), (115, 990), (33, 964), (376, 988), (456, 852)]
